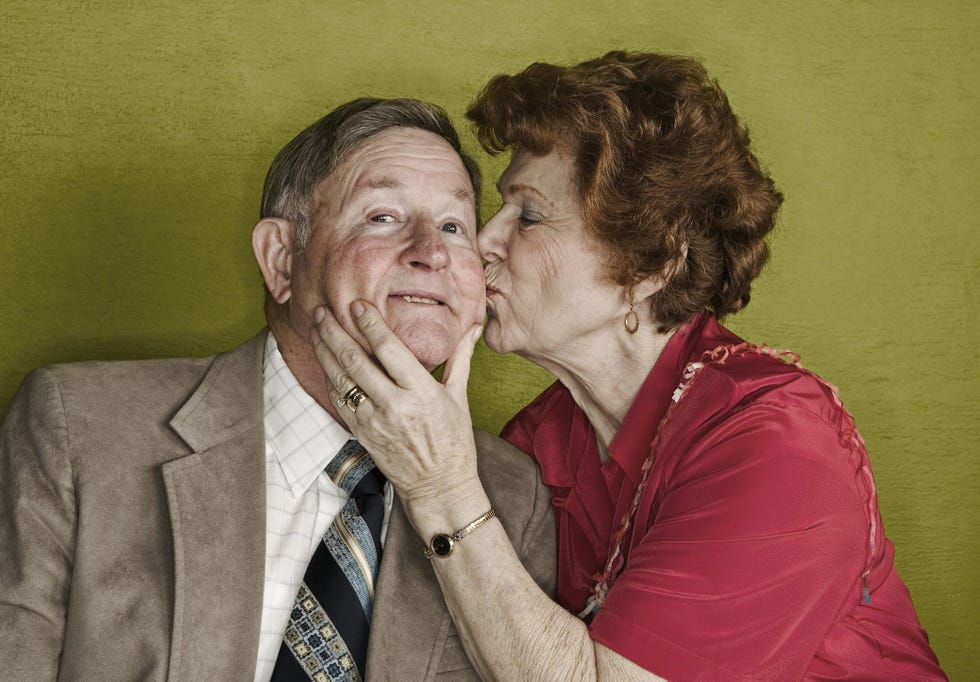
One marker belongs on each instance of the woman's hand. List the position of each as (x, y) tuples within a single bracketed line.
[(418, 430)]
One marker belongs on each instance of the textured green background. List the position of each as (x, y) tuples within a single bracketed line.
[(134, 140)]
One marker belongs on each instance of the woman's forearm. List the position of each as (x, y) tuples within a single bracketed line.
[(509, 627)]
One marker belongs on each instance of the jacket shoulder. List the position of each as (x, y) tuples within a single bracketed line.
[(504, 469), (125, 382), (103, 409), (512, 481)]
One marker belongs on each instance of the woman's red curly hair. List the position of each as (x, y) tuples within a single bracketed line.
[(663, 168)]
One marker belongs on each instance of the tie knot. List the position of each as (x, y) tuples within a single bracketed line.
[(353, 470)]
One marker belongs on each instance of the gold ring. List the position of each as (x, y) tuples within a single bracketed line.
[(353, 398)]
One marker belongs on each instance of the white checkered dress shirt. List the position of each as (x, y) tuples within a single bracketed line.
[(301, 500)]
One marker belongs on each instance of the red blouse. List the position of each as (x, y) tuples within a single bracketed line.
[(755, 536)]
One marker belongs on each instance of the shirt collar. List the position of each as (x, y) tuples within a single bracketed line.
[(302, 435), (631, 444)]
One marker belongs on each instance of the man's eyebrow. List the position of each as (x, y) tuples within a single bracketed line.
[(383, 182), (465, 195), (387, 182)]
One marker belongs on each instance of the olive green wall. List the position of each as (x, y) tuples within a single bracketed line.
[(134, 140)]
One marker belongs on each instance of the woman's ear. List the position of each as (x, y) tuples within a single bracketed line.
[(645, 288), (272, 244)]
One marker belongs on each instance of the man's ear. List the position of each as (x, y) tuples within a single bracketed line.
[(272, 243)]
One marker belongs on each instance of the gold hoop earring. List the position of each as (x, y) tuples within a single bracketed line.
[(631, 321)]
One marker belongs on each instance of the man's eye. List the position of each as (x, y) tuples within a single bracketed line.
[(452, 228), (383, 218)]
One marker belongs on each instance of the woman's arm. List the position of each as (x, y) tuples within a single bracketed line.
[(509, 627), (419, 433)]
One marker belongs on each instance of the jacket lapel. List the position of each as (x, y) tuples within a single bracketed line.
[(409, 621), (216, 499)]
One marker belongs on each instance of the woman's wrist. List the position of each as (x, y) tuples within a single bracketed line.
[(446, 509)]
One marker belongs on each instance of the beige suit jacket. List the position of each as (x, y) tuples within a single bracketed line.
[(132, 530)]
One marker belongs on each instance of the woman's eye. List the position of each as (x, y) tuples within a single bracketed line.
[(383, 218), (525, 220), (451, 228)]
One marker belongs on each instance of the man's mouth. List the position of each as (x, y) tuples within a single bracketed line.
[(420, 299)]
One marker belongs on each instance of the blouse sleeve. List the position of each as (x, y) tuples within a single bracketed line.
[(756, 550)]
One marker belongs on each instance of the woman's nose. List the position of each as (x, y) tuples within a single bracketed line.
[(492, 238)]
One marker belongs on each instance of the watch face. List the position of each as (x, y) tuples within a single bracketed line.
[(442, 544)]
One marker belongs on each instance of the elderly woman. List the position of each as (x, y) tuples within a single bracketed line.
[(715, 507)]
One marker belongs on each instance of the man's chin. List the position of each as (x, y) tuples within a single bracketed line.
[(430, 344)]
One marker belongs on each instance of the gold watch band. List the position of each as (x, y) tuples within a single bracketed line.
[(442, 545)]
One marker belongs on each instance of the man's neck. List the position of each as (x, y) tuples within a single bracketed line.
[(301, 360)]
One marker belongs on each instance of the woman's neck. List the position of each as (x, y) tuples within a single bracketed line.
[(604, 375)]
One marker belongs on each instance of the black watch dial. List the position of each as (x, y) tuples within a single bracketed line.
[(442, 544)]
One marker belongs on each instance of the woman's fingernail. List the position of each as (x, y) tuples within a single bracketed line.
[(357, 309), (319, 314)]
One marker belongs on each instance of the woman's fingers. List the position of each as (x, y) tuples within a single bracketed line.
[(416, 429), (457, 372), (337, 379), (398, 361), (344, 361), (339, 383), (401, 386)]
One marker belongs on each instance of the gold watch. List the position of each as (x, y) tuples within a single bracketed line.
[(443, 544)]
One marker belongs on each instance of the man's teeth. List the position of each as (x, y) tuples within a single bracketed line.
[(420, 299)]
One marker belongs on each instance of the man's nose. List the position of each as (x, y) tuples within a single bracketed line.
[(427, 248)]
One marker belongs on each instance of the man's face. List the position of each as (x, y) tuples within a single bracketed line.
[(395, 225)]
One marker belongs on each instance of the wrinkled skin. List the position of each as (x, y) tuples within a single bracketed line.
[(417, 429)]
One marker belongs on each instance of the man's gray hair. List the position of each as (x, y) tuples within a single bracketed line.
[(317, 151)]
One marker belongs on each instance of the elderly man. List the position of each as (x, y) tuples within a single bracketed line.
[(196, 519)]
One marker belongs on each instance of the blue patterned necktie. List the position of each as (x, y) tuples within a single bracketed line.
[(327, 635)]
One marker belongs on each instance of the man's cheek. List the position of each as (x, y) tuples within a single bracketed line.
[(480, 298), (480, 311)]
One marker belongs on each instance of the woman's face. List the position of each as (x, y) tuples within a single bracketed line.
[(548, 293)]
